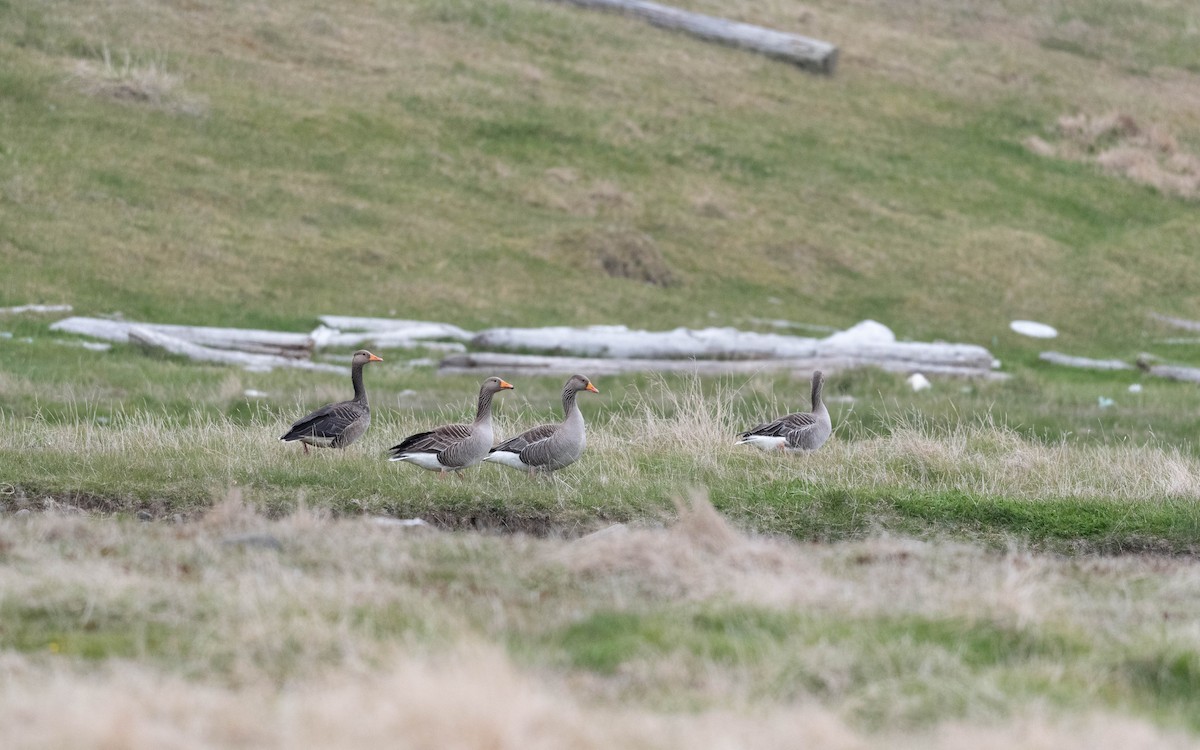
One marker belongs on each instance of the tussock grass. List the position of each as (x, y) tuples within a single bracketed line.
[(918, 477), (348, 630), (146, 82)]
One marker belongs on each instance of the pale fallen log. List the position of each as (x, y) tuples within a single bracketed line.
[(324, 337), (34, 309), (1170, 372), (531, 364), (806, 52), (867, 340), (278, 343), (1187, 325), (413, 329), (153, 339), (1058, 358)]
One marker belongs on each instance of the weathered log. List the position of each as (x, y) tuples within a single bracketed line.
[(730, 343), (382, 339), (412, 329), (153, 339), (806, 52), (1175, 372), (278, 343), (1170, 372), (1187, 325), (20, 309), (529, 364), (1058, 358)]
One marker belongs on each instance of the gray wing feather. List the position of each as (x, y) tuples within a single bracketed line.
[(329, 421), (434, 441), (782, 427), (520, 442)]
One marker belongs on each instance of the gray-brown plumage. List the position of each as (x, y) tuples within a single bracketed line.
[(549, 447), (338, 425), (453, 447), (803, 431)]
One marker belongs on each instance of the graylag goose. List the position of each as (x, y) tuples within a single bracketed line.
[(453, 447), (338, 425), (549, 447), (803, 431)]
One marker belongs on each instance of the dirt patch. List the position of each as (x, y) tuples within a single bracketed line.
[(624, 254), (1122, 145), (499, 522)]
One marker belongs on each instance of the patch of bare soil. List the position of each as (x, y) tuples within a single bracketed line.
[(1122, 145), (626, 254)]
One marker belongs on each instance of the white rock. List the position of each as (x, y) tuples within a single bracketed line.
[(919, 382), (863, 332), (1033, 329), (252, 393), (1135, 388), (1104, 402)]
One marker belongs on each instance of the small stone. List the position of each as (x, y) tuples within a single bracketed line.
[(145, 515), (22, 513), (919, 382)]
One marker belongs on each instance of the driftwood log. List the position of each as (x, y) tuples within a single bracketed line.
[(276, 343), (1187, 325), (1058, 358), (731, 344), (529, 364), (1170, 372), (812, 54), (1145, 363), (21, 309), (154, 339), (412, 329)]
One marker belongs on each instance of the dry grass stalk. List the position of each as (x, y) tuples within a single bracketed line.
[(137, 82), (1119, 144), (257, 612)]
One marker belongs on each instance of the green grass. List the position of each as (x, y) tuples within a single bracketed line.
[(348, 170), (968, 556)]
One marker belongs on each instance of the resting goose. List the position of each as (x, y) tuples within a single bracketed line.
[(453, 447), (549, 447), (338, 425), (803, 431)]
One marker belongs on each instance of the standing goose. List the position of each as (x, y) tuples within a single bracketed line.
[(803, 431), (338, 425), (549, 447), (453, 447)]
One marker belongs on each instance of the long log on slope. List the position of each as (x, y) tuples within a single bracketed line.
[(278, 343), (530, 364), (1187, 325), (153, 339), (1066, 360), (812, 54), (1170, 372), (413, 329), (723, 343)]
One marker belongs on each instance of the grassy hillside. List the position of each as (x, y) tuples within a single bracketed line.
[(484, 162), (1007, 564)]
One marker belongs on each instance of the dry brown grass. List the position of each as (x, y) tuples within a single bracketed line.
[(144, 82), (1122, 145), (271, 653), (472, 698)]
